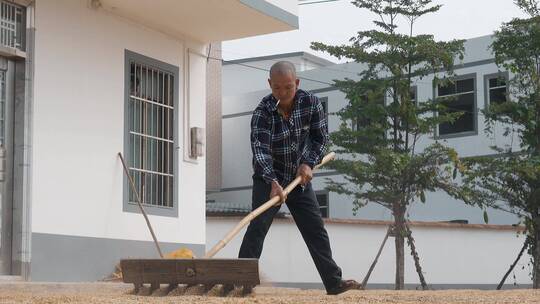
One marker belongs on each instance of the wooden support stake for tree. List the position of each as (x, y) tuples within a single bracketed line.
[(366, 278), (414, 253), (512, 266)]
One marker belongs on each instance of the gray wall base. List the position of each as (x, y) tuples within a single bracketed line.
[(407, 286), (61, 258)]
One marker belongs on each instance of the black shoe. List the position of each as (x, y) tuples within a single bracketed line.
[(343, 286)]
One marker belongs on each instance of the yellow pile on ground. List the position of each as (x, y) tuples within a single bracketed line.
[(182, 253)]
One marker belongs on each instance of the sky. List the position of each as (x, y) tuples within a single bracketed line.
[(336, 21)]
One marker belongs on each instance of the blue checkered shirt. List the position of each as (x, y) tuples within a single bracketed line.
[(280, 146)]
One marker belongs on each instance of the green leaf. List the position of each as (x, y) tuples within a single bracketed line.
[(454, 174), (422, 196), (486, 219)]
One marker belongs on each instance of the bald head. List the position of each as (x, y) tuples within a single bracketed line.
[(283, 82), (283, 68)]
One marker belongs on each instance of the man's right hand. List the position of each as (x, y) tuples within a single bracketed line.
[(278, 190)]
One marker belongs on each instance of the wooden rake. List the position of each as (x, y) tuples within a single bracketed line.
[(206, 273)]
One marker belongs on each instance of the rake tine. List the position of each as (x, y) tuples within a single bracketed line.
[(144, 290), (236, 292), (179, 290), (227, 288), (154, 286), (171, 287), (160, 292), (136, 288), (247, 289), (196, 290), (220, 290), (215, 291)]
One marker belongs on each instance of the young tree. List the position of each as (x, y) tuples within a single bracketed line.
[(511, 181), (382, 122)]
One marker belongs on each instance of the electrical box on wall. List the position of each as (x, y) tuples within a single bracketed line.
[(197, 142)]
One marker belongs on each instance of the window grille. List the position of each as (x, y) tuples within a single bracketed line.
[(12, 25), (151, 138)]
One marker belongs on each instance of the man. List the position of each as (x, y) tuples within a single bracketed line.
[(288, 137)]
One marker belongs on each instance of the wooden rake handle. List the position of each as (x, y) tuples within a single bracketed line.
[(126, 170), (272, 202)]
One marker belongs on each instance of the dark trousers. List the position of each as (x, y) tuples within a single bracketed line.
[(307, 215)]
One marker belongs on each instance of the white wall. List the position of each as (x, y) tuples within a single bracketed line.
[(448, 255), (78, 126)]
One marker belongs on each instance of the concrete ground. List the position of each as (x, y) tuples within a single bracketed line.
[(52, 293)]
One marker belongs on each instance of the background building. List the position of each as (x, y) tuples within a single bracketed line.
[(456, 247), (477, 74)]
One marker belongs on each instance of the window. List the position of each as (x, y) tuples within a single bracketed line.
[(12, 25), (459, 96), (496, 88), (150, 132), (362, 122), (324, 102), (322, 198), (413, 94)]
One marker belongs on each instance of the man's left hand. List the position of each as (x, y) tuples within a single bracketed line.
[(305, 172)]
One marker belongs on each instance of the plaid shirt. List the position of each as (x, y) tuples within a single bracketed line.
[(280, 146)]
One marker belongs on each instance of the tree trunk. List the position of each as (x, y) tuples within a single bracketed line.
[(399, 233), (536, 251), (414, 253)]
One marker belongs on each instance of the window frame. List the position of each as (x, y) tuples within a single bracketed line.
[(327, 207), (474, 132), (324, 101), (130, 56), (414, 88), (487, 77)]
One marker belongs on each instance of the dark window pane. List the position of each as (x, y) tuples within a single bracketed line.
[(463, 103), (497, 95), (465, 85), (447, 89), (364, 121), (465, 100), (497, 82), (323, 203), (413, 94), (324, 103)]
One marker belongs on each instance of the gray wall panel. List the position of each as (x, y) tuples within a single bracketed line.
[(61, 258)]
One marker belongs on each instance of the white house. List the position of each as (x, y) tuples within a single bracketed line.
[(355, 237), (81, 81)]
